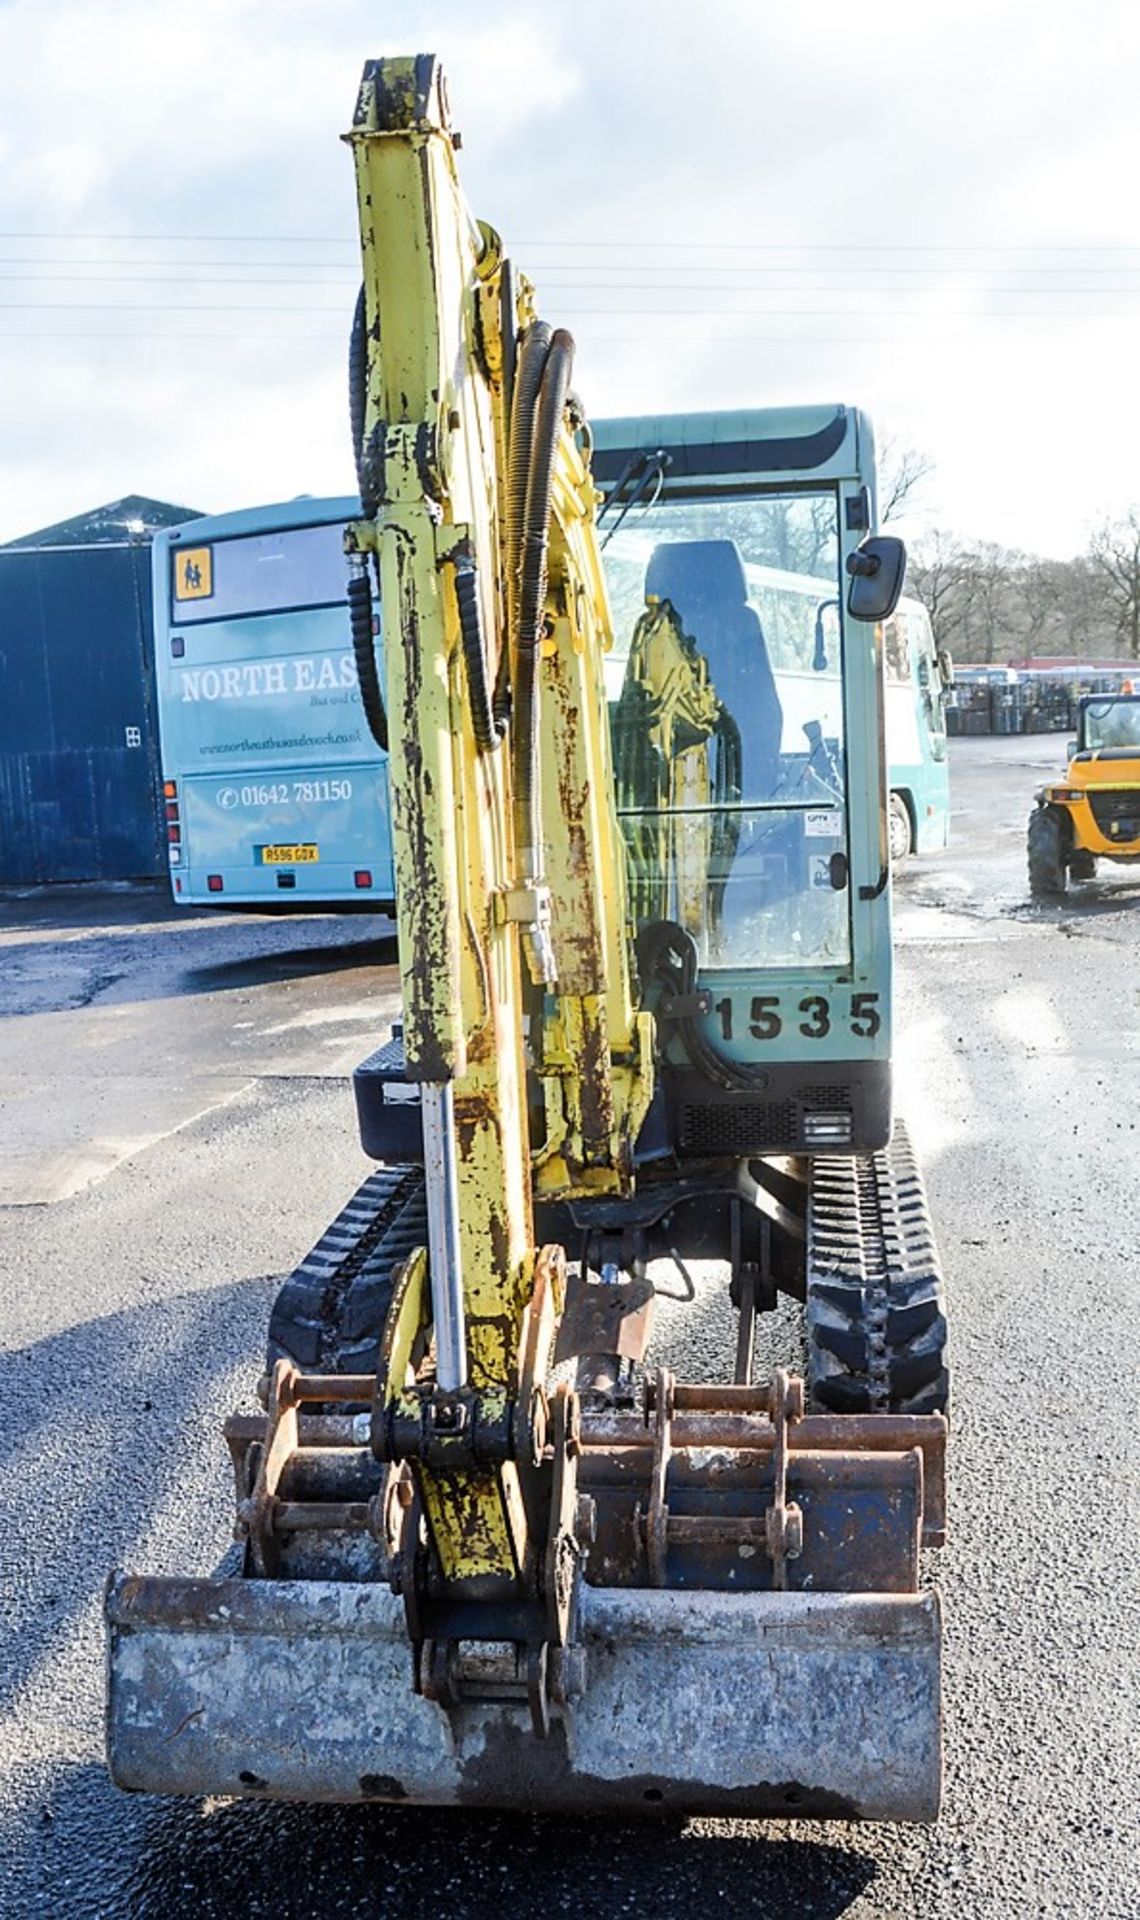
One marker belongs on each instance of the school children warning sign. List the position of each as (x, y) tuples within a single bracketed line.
[(194, 573)]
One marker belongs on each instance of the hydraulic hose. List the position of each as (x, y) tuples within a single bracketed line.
[(534, 549), (359, 595), (668, 953), (360, 601), (358, 396), (527, 381), (487, 730)]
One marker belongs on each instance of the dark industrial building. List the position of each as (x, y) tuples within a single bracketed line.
[(80, 784)]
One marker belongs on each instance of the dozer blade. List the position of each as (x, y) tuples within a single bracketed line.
[(743, 1704)]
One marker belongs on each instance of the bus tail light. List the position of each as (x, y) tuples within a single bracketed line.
[(173, 826), (215, 883), (362, 877)]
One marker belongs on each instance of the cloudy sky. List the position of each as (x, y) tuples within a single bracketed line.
[(932, 211)]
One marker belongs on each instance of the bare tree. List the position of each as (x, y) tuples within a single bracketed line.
[(795, 532), (1064, 607), (1036, 591), (1114, 555), (902, 470), (1084, 610), (989, 603), (992, 615), (938, 573), (973, 596)]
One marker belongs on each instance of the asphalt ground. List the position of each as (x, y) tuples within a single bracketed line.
[(176, 1130)]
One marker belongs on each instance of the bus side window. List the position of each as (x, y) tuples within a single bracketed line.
[(895, 648)]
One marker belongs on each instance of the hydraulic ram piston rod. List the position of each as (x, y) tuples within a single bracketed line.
[(443, 1236)]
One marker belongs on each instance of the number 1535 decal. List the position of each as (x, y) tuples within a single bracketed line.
[(815, 1016)]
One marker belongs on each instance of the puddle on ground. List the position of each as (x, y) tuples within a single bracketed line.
[(932, 924)]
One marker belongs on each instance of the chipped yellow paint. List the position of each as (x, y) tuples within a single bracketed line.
[(434, 458), (435, 438), (471, 1523), (407, 1317), (597, 1074)]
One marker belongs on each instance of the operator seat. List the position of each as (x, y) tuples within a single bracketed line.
[(704, 582)]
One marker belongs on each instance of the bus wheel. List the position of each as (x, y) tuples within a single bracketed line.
[(1046, 858), (898, 829)]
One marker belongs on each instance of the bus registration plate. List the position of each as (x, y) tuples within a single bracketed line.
[(295, 856)]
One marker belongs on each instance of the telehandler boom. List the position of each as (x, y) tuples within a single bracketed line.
[(489, 1553)]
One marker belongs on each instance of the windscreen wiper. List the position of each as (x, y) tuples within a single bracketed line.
[(641, 471)]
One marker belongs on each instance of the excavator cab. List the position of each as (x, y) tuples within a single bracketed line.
[(491, 1549), (765, 839)]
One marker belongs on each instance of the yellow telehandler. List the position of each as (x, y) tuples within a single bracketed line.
[(1093, 811)]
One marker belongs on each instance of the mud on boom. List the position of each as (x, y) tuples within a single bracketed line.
[(490, 1551)]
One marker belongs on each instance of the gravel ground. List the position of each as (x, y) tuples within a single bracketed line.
[(142, 1241)]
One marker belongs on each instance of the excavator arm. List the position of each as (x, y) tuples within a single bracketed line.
[(478, 516)]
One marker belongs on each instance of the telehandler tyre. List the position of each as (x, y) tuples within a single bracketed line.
[(1046, 854)]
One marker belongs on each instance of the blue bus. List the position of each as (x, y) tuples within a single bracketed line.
[(275, 794)]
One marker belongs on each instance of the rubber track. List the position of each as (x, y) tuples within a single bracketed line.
[(875, 1307), (330, 1312)]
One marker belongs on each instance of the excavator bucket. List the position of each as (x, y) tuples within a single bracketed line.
[(743, 1704), (747, 1636)]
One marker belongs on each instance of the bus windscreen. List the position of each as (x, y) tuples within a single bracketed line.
[(259, 573), (275, 791)]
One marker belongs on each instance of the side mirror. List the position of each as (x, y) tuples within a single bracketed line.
[(1071, 749), (945, 668), (878, 569)]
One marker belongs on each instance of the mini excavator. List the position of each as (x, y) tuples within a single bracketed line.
[(491, 1550)]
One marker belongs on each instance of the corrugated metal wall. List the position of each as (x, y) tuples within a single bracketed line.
[(79, 775)]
